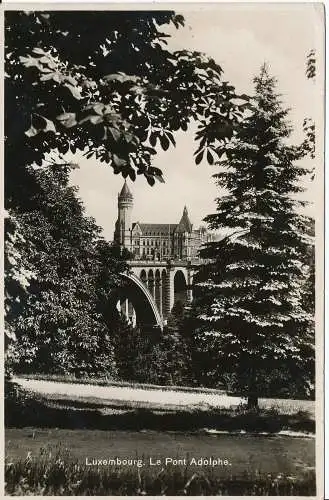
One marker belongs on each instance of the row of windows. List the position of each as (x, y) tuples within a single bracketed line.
[(152, 243), (150, 251), (164, 235)]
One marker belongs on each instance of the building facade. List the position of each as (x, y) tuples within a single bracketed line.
[(149, 241)]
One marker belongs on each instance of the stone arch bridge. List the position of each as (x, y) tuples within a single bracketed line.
[(151, 288)]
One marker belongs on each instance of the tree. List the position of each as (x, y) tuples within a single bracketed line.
[(62, 324), (102, 83), (248, 311), (309, 124)]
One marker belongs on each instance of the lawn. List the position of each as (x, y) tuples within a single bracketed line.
[(244, 453), (55, 439)]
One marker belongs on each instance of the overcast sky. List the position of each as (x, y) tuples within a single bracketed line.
[(240, 37)]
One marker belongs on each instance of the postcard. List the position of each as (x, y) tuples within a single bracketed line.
[(164, 223)]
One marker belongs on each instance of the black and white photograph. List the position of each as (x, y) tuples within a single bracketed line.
[(163, 283)]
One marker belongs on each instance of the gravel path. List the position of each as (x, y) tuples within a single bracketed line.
[(128, 393), (156, 397)]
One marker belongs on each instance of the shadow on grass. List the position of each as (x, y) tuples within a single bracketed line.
[(32, 412)]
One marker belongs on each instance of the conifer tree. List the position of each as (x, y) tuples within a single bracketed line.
[(248, 309)]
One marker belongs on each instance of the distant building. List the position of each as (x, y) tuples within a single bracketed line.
[(149, 241)]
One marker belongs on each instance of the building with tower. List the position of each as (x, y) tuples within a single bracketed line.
[(154, 241)]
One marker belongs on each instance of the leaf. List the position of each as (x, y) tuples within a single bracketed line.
[(164, 142), (70, 80), (44, 59), (95, 120), (29, 61), (175, 123), (245, 97), (50, 127), (199, 157), (132, 174), (153, 139), (74, 91), (40, 124), (67, 119), (119, 162), (89, 154), (154, 171), (121, 77), (115, 133), (150, 180), (37, 50), (152, 151), (63, 148), (130, 138), (98, 108), (47, 70), (57, 77), (184, 126), (172, 139), (31, 132), (210, 157), (159, 178)]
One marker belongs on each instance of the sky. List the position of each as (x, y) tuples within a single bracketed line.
[(240, 37)]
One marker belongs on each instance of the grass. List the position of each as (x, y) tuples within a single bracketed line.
[(113, 396), (35, 411), (90, 429), (243, 451), (55, 472)]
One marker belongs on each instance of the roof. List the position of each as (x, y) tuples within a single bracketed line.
[(125, 191), (185, 225), (156, 229)]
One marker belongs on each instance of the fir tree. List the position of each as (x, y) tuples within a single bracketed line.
[(248, 308)]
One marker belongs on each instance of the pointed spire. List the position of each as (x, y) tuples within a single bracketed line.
[(125, 191), (185, 225)]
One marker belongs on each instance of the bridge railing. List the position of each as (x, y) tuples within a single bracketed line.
[(170, 262)]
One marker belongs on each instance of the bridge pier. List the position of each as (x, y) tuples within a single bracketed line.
[(160, 297), (157, 284)]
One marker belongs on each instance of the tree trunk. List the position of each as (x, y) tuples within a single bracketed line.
[(252, 402)]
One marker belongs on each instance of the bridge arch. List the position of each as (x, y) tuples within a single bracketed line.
[(135, 291), (180, 287)]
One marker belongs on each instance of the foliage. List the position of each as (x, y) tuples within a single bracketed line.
[(147, 355), (104, 84), (311, 65), (61, 327), (249, 312), (309, 124)]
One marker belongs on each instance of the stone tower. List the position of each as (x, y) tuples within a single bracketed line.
[(123, 224)]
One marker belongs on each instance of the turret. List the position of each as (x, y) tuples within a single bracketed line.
[(123, 225)]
